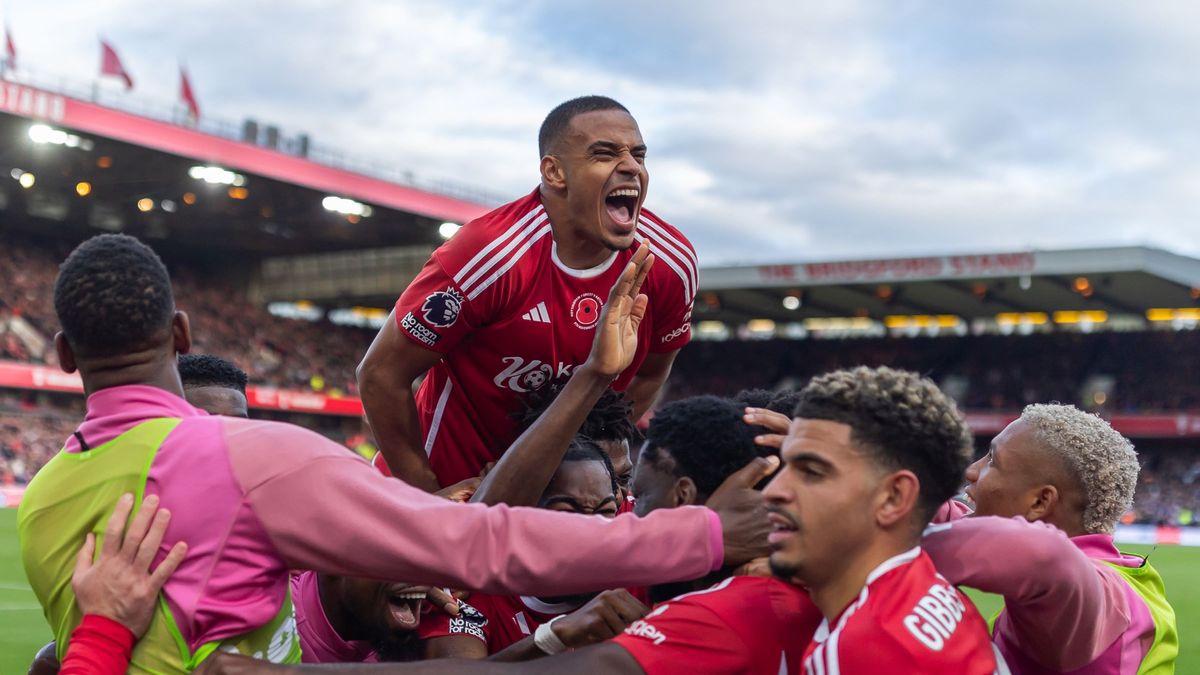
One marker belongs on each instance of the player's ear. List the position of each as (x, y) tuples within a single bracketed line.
[(897, 498), (553, 174), (685, 492), (181, 332), (1044, 499), (66, 356)]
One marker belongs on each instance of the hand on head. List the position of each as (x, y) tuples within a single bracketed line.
[(743, 512)]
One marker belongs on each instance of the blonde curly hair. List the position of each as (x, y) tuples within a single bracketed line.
[(1102, 460)]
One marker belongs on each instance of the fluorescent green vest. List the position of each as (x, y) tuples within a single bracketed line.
[(1146, 582), (76, 493)]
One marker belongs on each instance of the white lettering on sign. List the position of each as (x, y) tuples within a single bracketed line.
[(21, 100)]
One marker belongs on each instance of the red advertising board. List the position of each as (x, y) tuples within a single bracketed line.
[(26, 376)]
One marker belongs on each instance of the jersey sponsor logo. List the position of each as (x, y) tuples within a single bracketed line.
[(676, 333), (538, 314), (643, 629), (585, 310), (522, 377), (441, 308), (935, 616), (418, 330)]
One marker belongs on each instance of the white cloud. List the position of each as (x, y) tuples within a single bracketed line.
[(777, 130)]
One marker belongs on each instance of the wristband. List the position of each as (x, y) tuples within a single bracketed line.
[(546, 640)]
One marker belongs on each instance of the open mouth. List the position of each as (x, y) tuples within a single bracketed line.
[(404, 607), (782, 527), (621, 205)]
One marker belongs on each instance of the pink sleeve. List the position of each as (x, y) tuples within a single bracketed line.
[(950, 511), (1059, 603), (326, 509)]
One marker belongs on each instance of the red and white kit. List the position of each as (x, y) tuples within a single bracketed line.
[(740, 625), (510, 317), (907, 619)]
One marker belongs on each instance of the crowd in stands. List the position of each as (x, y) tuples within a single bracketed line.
[(274, 351), (1152, 371), (1169, 488)]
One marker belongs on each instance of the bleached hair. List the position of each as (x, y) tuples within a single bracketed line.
[(1102, 460)]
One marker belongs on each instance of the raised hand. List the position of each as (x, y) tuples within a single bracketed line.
[(120, 584), (617, 332), (776, 423)]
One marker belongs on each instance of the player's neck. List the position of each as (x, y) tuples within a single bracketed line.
[(146, 368), (834, 594), (574, 251)]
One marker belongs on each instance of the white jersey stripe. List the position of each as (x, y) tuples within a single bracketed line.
[(437, 417), (681, 249), (657, 249), (483, 285), (502, 253), (665, 251), (458, 276)]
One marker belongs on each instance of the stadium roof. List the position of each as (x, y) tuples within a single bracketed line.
[(126, 157), (1120, 281)]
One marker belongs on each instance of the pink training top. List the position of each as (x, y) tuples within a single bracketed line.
[(1065, 610), (253, 499)]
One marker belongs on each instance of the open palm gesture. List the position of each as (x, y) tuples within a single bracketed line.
[(617, 332)]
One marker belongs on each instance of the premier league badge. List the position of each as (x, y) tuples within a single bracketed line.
[(441, 309)]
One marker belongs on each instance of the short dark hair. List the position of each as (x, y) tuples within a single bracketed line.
[(559, 119), (608, 420), (113, 295), (206, 370), (753, 398), (784, 401), (583, 449), (706, 437), (902, 419)]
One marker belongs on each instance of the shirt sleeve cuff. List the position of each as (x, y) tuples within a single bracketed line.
[(102, 625), (716, 540)]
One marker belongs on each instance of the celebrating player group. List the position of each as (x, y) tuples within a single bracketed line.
[(518, 520)]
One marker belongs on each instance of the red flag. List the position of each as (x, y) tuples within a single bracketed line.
[(110, 64), (10, 50), (185, 92)]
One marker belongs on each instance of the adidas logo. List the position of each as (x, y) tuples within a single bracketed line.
[(537, 314)]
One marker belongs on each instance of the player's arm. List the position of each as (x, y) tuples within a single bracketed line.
[(602, 618), (601, 658), (1056, 596), (645, 386), (525, 469), (385, 382), (399, 532)]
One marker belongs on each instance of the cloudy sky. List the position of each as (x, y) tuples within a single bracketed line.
[(777, 130)]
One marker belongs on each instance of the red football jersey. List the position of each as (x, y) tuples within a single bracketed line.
[(510, 619), (510, 317), (740, 625), (907, 619)]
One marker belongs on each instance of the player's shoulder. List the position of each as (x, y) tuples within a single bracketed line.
[(739, 595), (509, 242), (677, 261), (493, 232)]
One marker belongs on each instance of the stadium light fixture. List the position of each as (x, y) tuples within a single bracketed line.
[(167, 205), (448, 229), (215, 175), (43, 134), (145, 204), (189, 198), (346, 207), (238, 192), (27, 180), (104, 162), (791, 302), (83, 188)]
